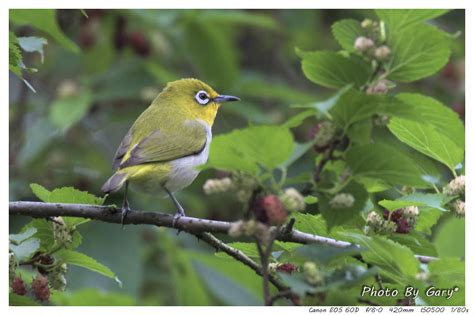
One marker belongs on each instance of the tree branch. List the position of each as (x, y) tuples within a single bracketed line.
[(192, 225)]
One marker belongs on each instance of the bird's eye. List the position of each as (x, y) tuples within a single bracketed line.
[(202, 97)]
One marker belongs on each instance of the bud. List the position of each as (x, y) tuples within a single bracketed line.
[(40, 288), (379, 87), (269, 209), (57, 278), (341, 201), (366, 23), (12, 265), (374, 219), (460, 208), (312, 273), (215, 186), (62, 234), (292, 200), (455, 187), (322, 133), (18, 286), (382, 53), (363, 44)]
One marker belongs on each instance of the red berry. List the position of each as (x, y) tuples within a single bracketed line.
[(269, 209), (403, 226), (18, 286), (140, 44), (40, 287), (286, 267)]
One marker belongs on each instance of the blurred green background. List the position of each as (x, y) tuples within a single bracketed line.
[(66, 133)]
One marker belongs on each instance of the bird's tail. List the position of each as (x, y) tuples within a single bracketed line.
[(114, 183)]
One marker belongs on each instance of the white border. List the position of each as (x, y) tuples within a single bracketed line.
[(313, 4)]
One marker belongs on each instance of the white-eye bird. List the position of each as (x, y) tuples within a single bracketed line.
[(167, 142)]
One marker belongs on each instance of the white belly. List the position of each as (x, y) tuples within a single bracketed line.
[(183, 171)]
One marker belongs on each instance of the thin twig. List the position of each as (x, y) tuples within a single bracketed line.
[(193, 225)]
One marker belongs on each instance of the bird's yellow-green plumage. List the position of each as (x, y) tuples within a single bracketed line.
[(169, 139)]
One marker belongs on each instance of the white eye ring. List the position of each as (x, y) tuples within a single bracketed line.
[(202, 97)]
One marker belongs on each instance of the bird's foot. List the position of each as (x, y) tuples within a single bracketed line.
[(125, 211), (177, 216)]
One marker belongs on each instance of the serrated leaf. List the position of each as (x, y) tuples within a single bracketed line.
[(427, 140), (338, 216), (395, 261), (298, 119), (384, 163), (436, 201), (416, 242), (324, 253), (23, 236), (397, 19), (25, 249), (323, 107), (82, 260), (346, 31), (392, 205), (310, 223), (430, 111), (44, 20), (448, 272), (417, 52), (65, 195), (334, 70), (250, 148)]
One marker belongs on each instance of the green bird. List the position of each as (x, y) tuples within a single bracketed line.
[(161, 151)]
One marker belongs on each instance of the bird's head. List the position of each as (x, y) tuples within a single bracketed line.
[(194, 99)]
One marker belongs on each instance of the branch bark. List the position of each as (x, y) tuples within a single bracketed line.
[(191, 225)]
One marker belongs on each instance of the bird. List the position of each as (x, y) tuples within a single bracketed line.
[(160, 153)]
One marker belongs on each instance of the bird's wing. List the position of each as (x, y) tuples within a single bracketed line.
[(161, 147), (122, 150)]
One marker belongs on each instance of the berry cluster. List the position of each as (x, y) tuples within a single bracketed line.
[(401, 220), (457, 188)]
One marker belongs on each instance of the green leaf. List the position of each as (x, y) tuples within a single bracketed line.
[(310, 200), (91, 297), (385, 163), (65, 112), (436, 201), (427, 218), (392, 205), (82, 260), (360, 132), (25, 249), (65, 195), (21, 237), (450, 237), (14, 55), (334, 70), (428, 110), (427, 140), (298, 119), (249, 249), (224, 288), (44, 20), (33, 44), (339, 216), (222, 69), (37, 138), (397, 19), (323, 107), (417, 52), (325, 254), (417, 242), (299, 150), (44, 233), (309, 223), (395, 261), (346, 31), (21, 300), (448, 272), (247, 149)]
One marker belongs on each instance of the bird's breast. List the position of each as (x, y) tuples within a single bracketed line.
[(184, 170)]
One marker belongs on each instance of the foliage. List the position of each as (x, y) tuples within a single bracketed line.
[(365, 162)]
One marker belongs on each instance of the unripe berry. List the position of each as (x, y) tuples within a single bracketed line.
[(460, 208), (382, 53), (12, 265), (18, 286), (363, 44), (62, 234), (312, 273), (323, 133), (366, 23), (379, 87), (40, 288), (292, 200), (411, 212), (215, 186), (455, 187), (57, 279), (341, 201)]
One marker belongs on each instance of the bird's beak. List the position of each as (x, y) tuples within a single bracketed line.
[(226, 98)]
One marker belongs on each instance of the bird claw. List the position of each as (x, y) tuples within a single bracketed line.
[(125, 211), (176, 217)]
